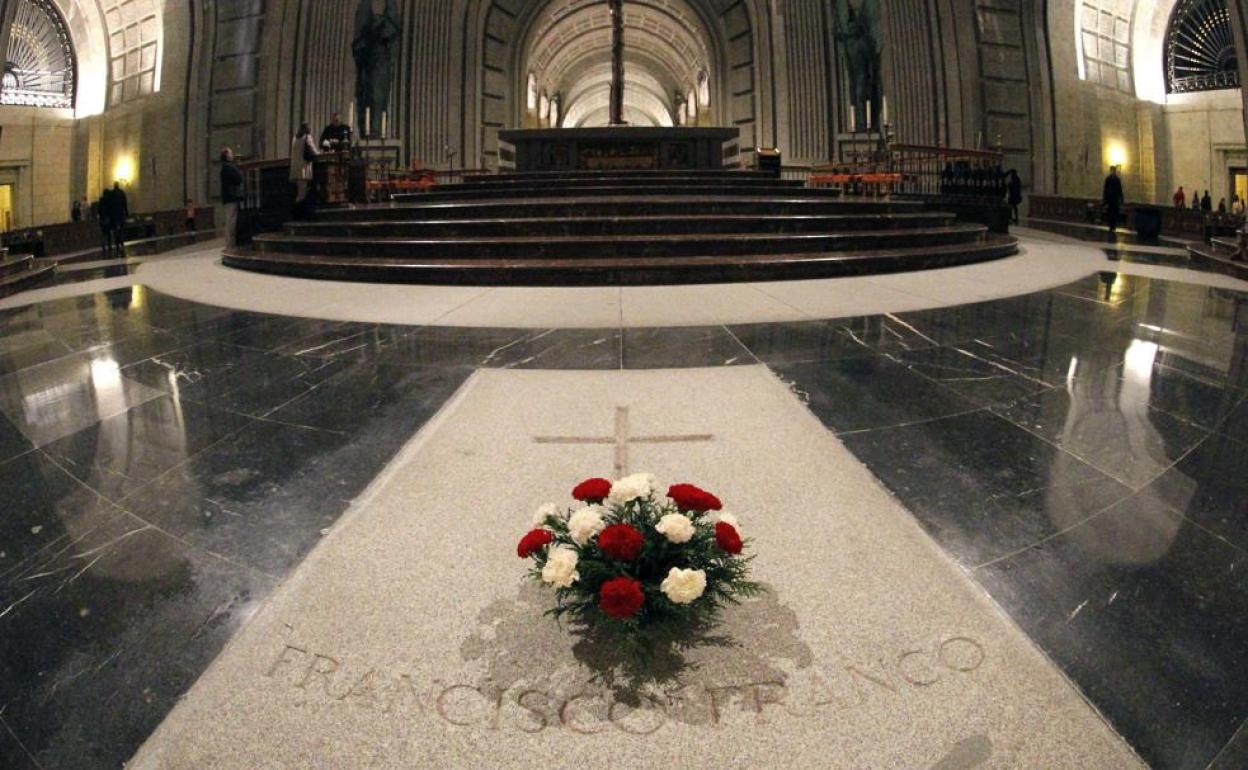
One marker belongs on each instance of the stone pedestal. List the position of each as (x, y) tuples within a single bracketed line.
[(620, 148)]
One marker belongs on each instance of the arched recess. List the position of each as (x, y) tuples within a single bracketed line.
[(88, 33), (670, 32), (40, 67)]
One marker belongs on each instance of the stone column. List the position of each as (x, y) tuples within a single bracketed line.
[(617, 62), (1239, 26)]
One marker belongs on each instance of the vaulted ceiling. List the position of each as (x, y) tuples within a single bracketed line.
[(568, 50)]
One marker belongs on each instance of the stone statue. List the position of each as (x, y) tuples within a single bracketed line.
[(858, 31), (375, 46)]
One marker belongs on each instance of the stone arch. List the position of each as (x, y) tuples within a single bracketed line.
[(88, 33), (40, 67), (726, 30)]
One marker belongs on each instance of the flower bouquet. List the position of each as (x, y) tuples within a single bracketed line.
[(637, 562)]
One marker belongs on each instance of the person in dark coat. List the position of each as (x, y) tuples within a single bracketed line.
[(1206, 203), (103, 207), (75, 213), (1113, 199), (117, 218), (1014, 193), (232, 194)]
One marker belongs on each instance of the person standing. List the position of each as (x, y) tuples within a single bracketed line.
[(1237, 205), (1222, 206), (104, 207), (1014, 192), (1113, 199), (117, 219), (75, 213), (189, 212), (336, 135), (302, 153), (232, 194), (1180, 198), (1206, 203)]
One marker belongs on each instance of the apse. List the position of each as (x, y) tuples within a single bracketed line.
[(567, 54)]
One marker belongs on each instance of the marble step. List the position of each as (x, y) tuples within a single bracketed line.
[(36, 274), (17, 263), (652, 245), (605, 226), (618, 206), (511, 183), (617, 270), (703, 173), (1227, 246), (1216, 258), (456, 192)]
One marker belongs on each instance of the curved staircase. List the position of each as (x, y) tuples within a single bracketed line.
[(619, 228)]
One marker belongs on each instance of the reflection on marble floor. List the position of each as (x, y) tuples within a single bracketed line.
[(1079, 451)]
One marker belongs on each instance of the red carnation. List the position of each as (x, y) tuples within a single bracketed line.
[(533, 542), (620, 541), (621, 597), (592, 490), (727, 538), (690, 498)]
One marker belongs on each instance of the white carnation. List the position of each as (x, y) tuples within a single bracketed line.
[(560, 570), (683, 586), (630, 488), (547, 510), (676, 527), (586, 523)]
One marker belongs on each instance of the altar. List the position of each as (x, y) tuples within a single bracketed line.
[(617, 148)]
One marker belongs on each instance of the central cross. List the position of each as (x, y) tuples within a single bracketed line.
[(622, 439), (617, 62)]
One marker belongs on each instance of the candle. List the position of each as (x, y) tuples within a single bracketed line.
[(383, 125), (351, 117), (884, 109), (869, 123), (853, 124), (368, 121)]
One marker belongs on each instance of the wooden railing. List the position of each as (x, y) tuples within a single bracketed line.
[(1178, 222)]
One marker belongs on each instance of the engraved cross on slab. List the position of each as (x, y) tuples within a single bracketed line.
[(622, 439)]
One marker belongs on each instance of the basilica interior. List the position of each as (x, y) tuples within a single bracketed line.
[(306, 307)]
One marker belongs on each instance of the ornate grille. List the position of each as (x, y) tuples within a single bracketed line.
[(39, 69), (1200, 48)]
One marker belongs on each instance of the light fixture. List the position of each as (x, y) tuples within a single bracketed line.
[(1116, 153), (124, 169)]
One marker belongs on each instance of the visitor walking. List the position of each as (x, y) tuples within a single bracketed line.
[(1237, 205), (1112, 199), (1222, 206), (1014, 192), (1180, 198), (232, 193), (102, 208), (302, 153), (1206, 203), (121, 214), (190, 215)]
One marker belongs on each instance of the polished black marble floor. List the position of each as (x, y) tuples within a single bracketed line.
[(1080, 452)]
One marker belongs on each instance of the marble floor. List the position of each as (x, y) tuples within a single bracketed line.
[(1076, 449)]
